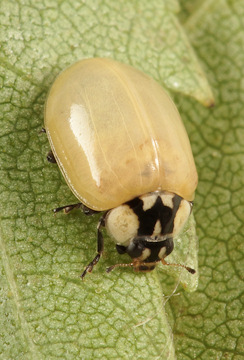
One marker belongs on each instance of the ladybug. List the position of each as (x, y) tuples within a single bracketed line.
[(123, 150)]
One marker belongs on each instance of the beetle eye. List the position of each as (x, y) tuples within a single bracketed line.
[(136, 246)]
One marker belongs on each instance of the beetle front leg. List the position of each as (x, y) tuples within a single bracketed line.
[(100, 247)]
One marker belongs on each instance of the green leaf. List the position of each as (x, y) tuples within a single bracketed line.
[(212, 321), (46, 311)]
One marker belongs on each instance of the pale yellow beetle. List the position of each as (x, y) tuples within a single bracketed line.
[(122, 148)]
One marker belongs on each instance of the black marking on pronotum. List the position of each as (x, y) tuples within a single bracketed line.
[(176, 204), (158, 212)]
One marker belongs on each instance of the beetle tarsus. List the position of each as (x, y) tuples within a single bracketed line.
[(43, 130), (67, 208), (51, 158), (90, 266), (100, 246)]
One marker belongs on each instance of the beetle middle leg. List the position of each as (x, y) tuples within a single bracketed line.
[(50, 157), (100, 241), (100, 247)]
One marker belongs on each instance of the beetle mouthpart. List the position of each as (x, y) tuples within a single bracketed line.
[(145, 268)]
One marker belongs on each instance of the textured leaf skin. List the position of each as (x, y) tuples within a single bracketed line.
[(212, 319), (46, 311)]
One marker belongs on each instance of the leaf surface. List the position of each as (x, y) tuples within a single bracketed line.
[(46, 311)]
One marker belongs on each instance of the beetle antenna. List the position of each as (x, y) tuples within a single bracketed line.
[(192, 271), (110, 268)]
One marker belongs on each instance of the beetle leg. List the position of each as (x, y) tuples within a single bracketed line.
[(51, 158), (87, 211), (100, 246), (68, 208)]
